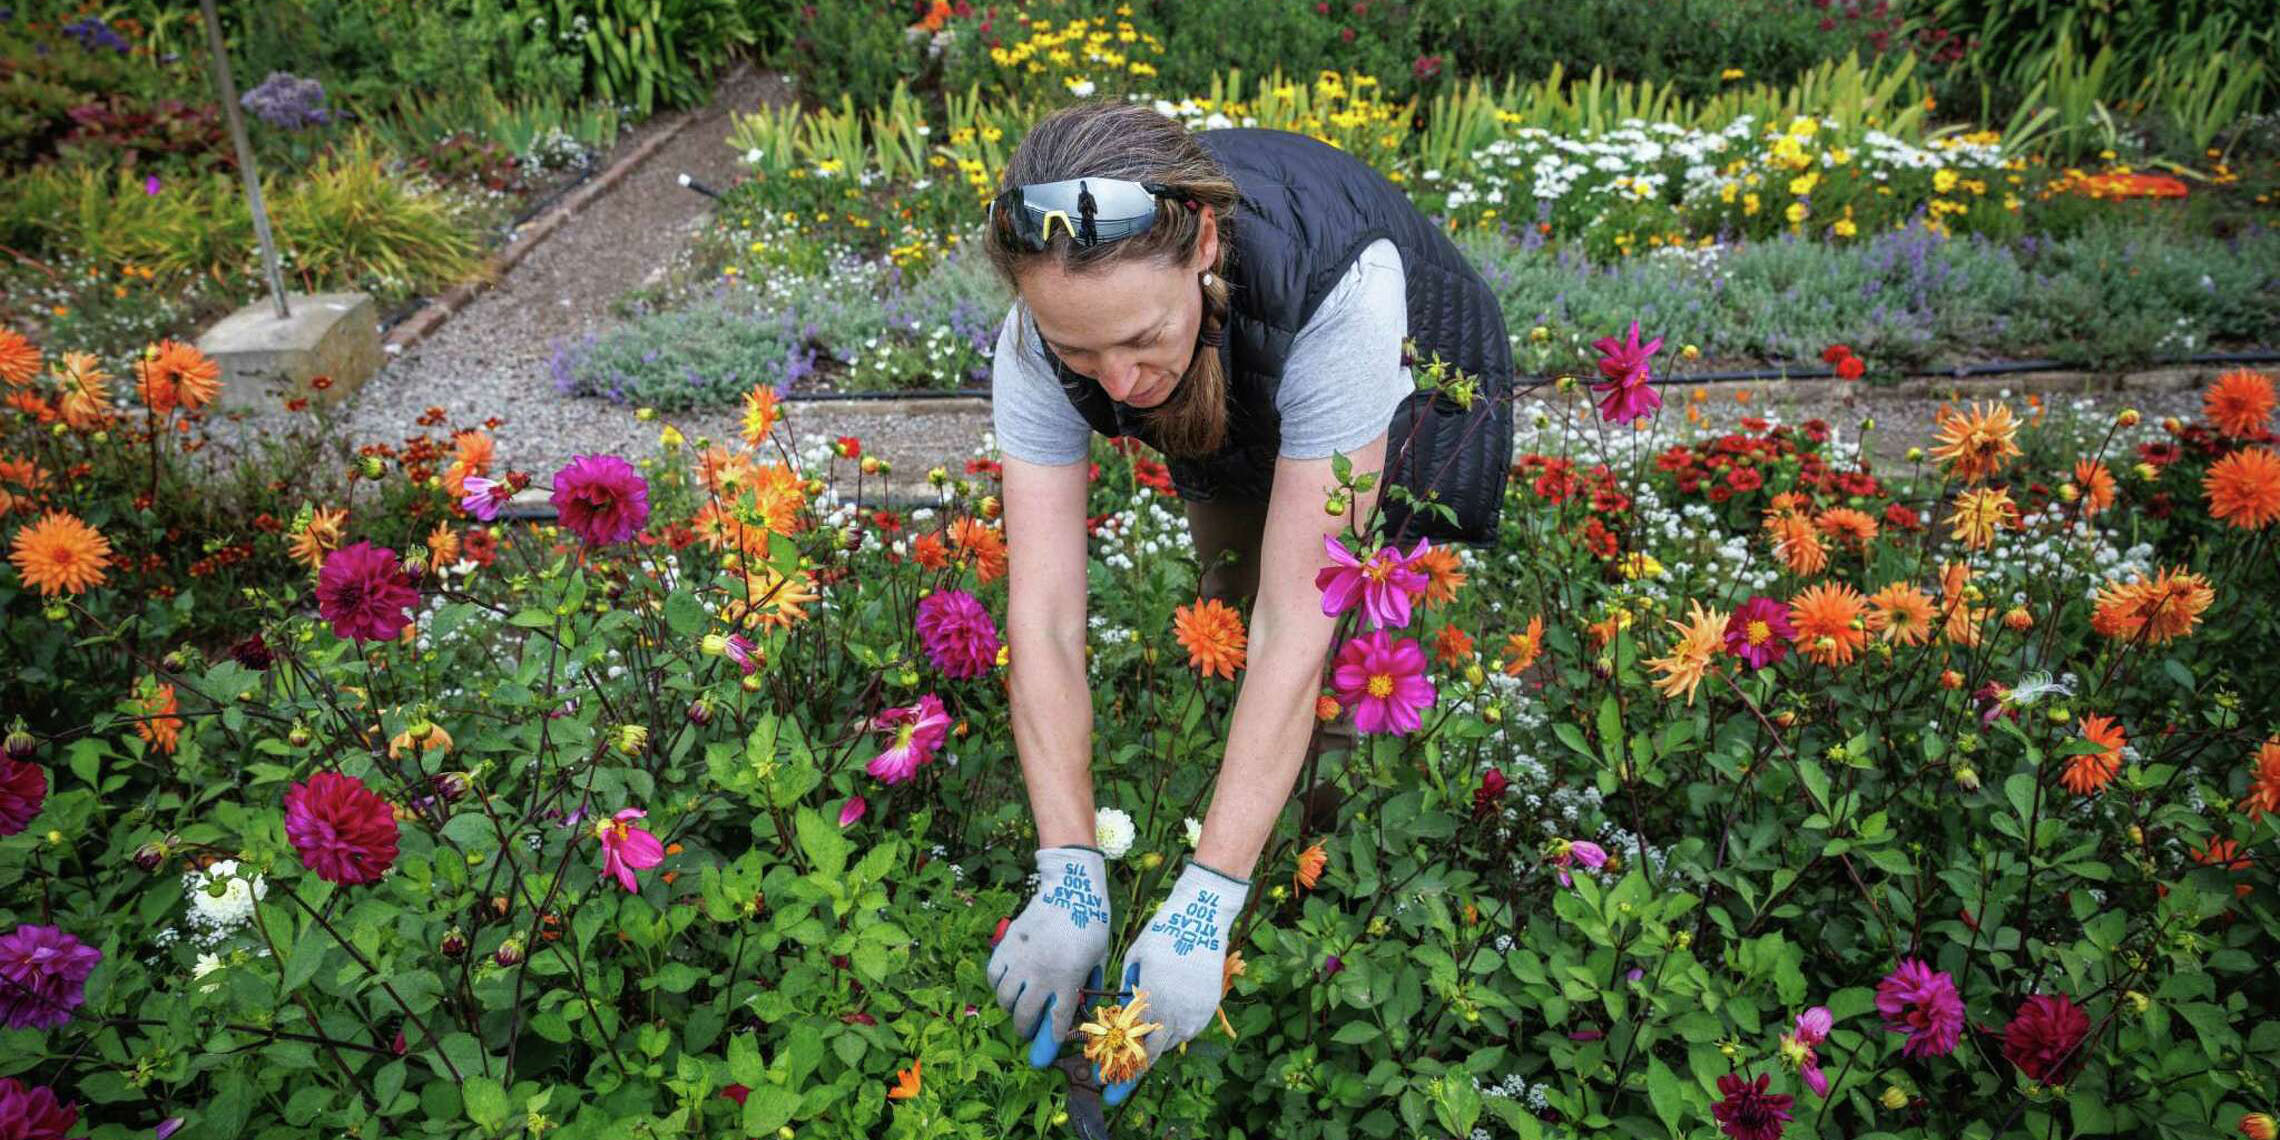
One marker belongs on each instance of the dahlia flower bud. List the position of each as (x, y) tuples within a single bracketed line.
[(21, 745), (1967, 778), (991, 507), (671, 438), (2172, 424), (2259, 1126), (1689, 352), (631, 739), (451, 786), (1539, 334), (454, 943), (750, 682), (371, 466), (1334, 506), (700, 712), (645, 413), (713, 645), (1915, 455), (509, 953), (298, 736), (1894, 1098), (150, 856), (2128, 417), (869, 465)]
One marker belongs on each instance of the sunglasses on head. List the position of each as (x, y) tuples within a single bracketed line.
[(1092, 211)]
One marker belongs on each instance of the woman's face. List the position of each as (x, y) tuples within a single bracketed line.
[(1130, 325)]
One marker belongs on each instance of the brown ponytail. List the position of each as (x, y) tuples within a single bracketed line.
[(1104, 139)]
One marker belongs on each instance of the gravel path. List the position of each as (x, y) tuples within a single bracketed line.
[(491, 358)]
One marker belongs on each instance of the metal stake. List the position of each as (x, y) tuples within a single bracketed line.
[(228, 88)]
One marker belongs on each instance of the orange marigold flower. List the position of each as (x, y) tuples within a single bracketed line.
[(1855, 528), (906, 1081), (1521, 649), (1798, 544), (2089, 772), (1830, 622), (760, 413), (443, 545), (1701, 641), (86, 401), (1978, 514), (973, 537), (2222, 852), (1443, 574), (1212, 633), (2264, 783), (2160, 610), (156, 724), (927, 550), (60, 554), (1452, 646), (172, 374), (2244, 488), (2096, 484), (1977, 444), (320, 537), (1310, 864), (1901, 612), (19, 359), (2240, 403)]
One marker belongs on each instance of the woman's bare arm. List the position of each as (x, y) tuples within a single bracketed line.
[(1045, 625)]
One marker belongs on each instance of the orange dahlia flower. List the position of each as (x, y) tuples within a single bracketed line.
[(2264, 783), (1701, 640), (1830, 622), (1976, 445), (19, 359), (2096, 484), (2240, 403), (1212, 633), (172, 374), (2161, 610), (1901, 612), (60, 554), (1521, 649), (2244, 488), (2088, 772)]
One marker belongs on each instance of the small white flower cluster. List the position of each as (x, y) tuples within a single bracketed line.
[(1195, 118), (221, 900)]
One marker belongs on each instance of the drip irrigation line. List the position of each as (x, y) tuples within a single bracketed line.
[(413, 305)]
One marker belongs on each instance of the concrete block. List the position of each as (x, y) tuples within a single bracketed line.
[(334, 335)]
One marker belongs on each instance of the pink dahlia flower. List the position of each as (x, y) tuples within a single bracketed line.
[(1568, 853), (1629, 385), (957, 633), (344, 832), (23, 788), (1922, 1003), (1383, 681), (1799, 1048), (361, 590), (919, 730), (483, 497), (1760, 632), (627, 848), (601, 499), (852, 810), (32, 1112), (43, 976), (1383, 586)]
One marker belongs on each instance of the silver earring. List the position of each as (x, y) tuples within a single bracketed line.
[(1207, 279)]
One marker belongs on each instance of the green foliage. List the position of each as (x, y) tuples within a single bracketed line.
[(851, 48), (2019, 45)]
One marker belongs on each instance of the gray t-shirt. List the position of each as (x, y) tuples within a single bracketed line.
[(1340, 387)]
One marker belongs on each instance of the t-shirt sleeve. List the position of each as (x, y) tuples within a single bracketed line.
[(1344, 380), (1032, 416)]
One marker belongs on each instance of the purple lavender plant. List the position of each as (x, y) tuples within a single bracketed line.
[(288, 102), (92, 34)]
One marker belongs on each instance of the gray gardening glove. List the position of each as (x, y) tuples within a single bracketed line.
[(1058, 944), (1179, 960)]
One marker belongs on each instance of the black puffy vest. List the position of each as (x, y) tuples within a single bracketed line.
[(1307, 210)]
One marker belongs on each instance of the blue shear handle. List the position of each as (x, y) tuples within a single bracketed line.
[(1043, 1047)]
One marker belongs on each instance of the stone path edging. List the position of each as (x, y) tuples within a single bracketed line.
[(422, 324)]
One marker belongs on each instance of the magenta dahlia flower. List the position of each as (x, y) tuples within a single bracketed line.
[(1383, 681), (343, 831), (1566, 853), (362, 591), (43, 977), (23, 788), (1760, 632), (1800, 1047), (32, 1112), (1383, 586), (1922, 1003), (2045, 1040), (627, 848), (919, 730), (1630, 381), (1749, 1112), (957, 633), (601, 498), (483, 497)]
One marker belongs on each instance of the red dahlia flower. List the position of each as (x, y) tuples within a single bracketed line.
[(361, 590), (1749, 1112), (343, 832), (2045, 1039), (23, 787)]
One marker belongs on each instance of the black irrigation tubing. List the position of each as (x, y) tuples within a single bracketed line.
[(413, 305)]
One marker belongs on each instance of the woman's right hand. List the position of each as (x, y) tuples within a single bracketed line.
[(1057, 946)]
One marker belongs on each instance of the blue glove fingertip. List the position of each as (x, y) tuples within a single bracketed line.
[(1119, 1092), (1043, 1047)]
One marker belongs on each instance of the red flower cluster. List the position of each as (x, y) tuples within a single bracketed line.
[(1767, 459), (1840, 357)]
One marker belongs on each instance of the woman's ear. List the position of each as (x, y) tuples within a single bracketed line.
[(1207, 240)]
